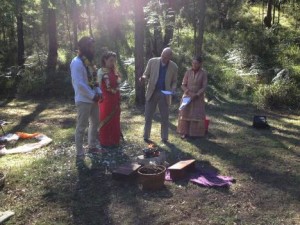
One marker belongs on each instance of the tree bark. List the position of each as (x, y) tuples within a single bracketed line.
[(201, 24), (68, 23), (279, 9), (53, 46), (157, 38), (20, 35), (268, 18), (75, 20), (139, 37), (195, 26), (88, 6), (169, 28), (149, 44), (274, 11)]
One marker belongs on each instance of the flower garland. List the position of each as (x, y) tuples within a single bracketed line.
[(107, 83), (91, 72)]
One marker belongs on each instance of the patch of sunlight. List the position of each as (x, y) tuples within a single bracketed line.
[(63, 55), (186, 32), (256, 9), (254, 13), (18, 111), (224, 125), (296, 69), (242, 120), (16, 162), (296, 219), (285, 20), (291, 120), (17, 103), (61, 134), (56, 115)]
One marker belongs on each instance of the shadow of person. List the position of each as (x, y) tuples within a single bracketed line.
[(91, 199), (163, 193), (94, 186)]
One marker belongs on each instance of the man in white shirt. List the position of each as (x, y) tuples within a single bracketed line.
[(87, 95)]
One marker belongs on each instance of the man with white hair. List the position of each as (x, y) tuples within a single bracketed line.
[(161, 75)]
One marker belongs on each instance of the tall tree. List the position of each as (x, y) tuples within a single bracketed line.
[(158, 43), (75, 20), (20, 32), (139, 37), (52, 38), (88, 11), (169, 24), (200, 25), (268, 18), (68, 23)]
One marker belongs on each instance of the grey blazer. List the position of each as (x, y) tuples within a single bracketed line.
[(152, 72)]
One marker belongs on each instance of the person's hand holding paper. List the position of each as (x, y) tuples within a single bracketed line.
[(185, 101)]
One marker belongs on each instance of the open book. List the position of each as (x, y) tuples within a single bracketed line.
[(185, 102)]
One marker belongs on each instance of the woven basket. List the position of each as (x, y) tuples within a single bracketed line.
[(2, 180), (152, 177)]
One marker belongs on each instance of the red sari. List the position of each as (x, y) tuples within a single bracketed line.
[(110, 130)]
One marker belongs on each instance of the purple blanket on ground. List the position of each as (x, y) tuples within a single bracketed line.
[(207, 179)]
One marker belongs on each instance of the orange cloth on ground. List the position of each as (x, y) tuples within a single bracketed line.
[(23, 135)]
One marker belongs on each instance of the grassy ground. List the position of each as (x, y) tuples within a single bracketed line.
[(43, 187)]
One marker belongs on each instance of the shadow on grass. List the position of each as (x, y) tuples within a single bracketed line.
[(282, 181), (99, 199), (286, 182), (6, 102), (26, 120), (91, 200)]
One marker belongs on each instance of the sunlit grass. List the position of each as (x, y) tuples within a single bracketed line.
[(41, 185)]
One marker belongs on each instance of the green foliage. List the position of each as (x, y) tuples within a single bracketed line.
[(283, 94), (6, 85), (130, 74), (32, 83), (236, 44)]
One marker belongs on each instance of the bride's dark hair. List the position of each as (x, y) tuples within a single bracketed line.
[(106, 56)]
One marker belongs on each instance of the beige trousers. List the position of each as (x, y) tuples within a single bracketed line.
[(160, 100), (87, 116)]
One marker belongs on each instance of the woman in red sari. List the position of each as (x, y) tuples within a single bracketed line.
[(109, 80)]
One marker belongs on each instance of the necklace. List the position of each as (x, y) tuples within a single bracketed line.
[(91, 72)]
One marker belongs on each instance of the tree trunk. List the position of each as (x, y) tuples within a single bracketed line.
[(89, 18), (279, 9), (263, 13), (201, 24), (75, 19), (68, 23), (20, 35), (158, 38), (52, 34), (169, 28), (149, 44), (195, 26), (274, 11), (268, 18), (139, 37)]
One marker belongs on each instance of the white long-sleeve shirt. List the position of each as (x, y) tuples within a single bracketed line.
[(83, 92)]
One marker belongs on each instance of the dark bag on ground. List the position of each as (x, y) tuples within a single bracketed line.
[(260, 122)]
